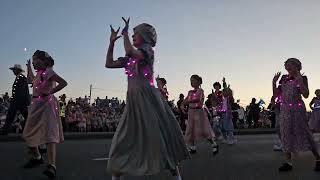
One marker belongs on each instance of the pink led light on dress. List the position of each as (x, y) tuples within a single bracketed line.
[(129, 68)]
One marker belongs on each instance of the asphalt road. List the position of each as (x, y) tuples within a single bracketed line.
[(251, 159)]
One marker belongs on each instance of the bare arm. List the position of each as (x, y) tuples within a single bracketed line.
[(311, 104), (130, 50), (275, 89), (303, 85), (30, 75), (110, 63), (195, 98), (224, 84), (61, 83)]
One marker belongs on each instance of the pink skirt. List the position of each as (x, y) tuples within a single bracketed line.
[(198, 126), (43, 125)]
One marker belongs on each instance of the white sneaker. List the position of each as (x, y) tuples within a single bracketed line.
[(224, 141), (230, 142), (277, 147), (219, 138)]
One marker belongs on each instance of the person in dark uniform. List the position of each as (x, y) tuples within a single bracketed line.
[(254, 114), (20, 99)]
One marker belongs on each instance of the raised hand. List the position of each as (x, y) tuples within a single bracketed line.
[(276, 77), (299, 77), (126, 27), (28, 63), (114, 35)]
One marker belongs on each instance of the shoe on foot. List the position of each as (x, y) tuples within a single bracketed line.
[(285, 167), (317, 167), (192, 151), (50, 172), (215, 149), (277, 147), (33, 162), (220, 138), (42, 150), (230, 142), (224, 141)]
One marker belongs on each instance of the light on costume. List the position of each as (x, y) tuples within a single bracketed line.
[(130, 70)]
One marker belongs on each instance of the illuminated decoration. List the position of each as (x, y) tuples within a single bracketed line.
[(195, 97), (40, 83), (280, 100), (132, 70)]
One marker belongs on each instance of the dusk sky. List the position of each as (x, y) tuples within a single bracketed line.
[(246, 41)]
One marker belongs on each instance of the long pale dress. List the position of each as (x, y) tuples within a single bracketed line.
[(198, 126), (294, 130), (148, 138), (43, 124)]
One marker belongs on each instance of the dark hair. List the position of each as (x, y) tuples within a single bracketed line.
[(181, 96), (208, 102), (44, 56), (163, 80), (216, 84), (295, 61), (198, 78)]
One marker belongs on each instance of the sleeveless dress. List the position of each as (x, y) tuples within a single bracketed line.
[(294, 130), (148, 138), (43, 124), (198, 126)]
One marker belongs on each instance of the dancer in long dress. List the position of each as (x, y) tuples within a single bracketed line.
[(226, 123), (148, 138), (198, 126), (314, 122), (295, 133), (44, 125)]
